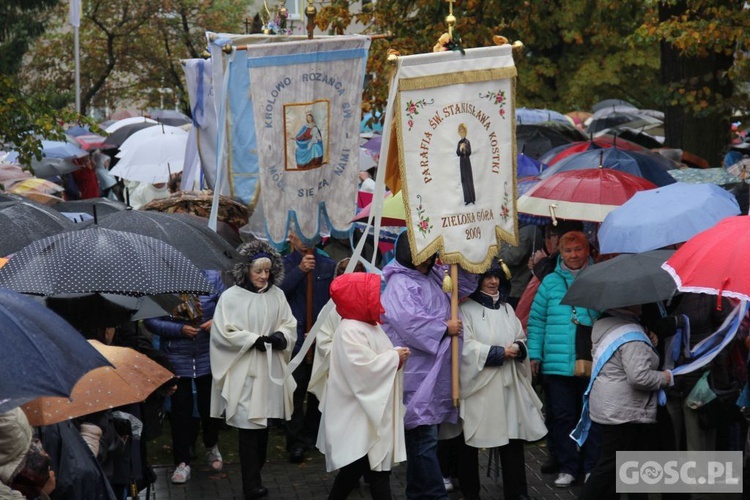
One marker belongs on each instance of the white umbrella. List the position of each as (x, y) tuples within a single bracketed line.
[(136, 140), (127, 121), (154, 160)]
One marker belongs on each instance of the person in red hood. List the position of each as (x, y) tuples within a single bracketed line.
[(363, 430)]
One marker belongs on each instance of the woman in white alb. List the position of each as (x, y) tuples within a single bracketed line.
[(252, 337), (499, 408)]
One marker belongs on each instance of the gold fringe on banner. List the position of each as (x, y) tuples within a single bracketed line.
[(446, 79), (437, 244)]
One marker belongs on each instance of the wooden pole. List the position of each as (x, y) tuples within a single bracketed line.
[(372, 37), (455, 354)]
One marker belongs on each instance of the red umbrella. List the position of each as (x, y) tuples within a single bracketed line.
[(92, 141), (604, 141), (587, 195), (715, 261)]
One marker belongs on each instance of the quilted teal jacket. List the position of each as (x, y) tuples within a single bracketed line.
[(551, 333)]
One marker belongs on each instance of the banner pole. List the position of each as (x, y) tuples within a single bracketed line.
[(455, 354), (309, 303)]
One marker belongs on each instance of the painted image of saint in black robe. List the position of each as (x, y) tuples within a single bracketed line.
[(463, 151)]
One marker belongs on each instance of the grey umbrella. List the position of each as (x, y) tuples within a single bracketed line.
[(24, 221), (626, 280), (104, 206), (101, 260), (201, 245)]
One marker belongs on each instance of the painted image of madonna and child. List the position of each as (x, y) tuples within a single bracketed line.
[(305, 126)]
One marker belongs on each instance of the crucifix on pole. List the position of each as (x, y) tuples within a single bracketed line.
[(450, 19)]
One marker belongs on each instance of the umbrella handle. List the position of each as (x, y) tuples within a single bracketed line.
[(552, 208)]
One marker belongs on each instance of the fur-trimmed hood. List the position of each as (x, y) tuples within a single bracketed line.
[(251, 251)]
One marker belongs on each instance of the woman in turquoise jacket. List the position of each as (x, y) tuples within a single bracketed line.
[(552, 350)]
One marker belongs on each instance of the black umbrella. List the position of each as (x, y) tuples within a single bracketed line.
[(42, 354), (626, 280), (567, 129), (25, 221), (170, 117), (104, 206), (535, 140), (204, 247), (102, 310), (118, 136), (97, 259)]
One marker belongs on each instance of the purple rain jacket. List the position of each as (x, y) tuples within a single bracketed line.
[(416, 314)]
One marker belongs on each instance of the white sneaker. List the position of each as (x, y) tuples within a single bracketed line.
[(586, 479), (448, 484), (564, 480), (181, 474), (213, 457)]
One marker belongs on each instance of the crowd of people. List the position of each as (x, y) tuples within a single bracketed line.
[(375, 390)]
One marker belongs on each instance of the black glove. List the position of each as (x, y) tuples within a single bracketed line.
[(277, 341), (260, 344)]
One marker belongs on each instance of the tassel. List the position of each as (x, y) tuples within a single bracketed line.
[(447, 283), (505, 269)]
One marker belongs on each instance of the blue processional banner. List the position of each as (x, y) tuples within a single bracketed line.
[(306, 98)]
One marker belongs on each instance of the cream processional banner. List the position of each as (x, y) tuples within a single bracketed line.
[(306, 106), (455, 126)]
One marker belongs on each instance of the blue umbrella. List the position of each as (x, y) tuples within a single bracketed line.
[(661, 217), (650, 166), (61, 149), (42, 354), (527, 116), (77, 130), (528, 167), (373, 126)]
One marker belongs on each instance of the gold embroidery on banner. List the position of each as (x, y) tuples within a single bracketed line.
[(446, 79), (437, 245)]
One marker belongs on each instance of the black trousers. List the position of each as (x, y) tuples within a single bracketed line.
[(466, 462), (348, 478), (624, 437), (253, 448), (302, 429), (182, 421)]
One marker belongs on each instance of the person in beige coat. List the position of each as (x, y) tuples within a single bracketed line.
[(16, 475)]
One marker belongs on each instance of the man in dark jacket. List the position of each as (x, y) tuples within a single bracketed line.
[(302, 262)]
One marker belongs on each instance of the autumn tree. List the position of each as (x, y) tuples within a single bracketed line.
[(25, 117), (130, 49), (704, 71), (577, 52)]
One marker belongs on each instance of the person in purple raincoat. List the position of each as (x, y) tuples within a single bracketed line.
[(418, 317)]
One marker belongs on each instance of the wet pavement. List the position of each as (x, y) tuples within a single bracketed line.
[(309, 480)]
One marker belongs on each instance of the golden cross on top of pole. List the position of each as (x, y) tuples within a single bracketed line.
[(450, 19)]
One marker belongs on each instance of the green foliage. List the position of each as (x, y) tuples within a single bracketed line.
[(21, 23), (576, 52), (131, 48), (26, 119)]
